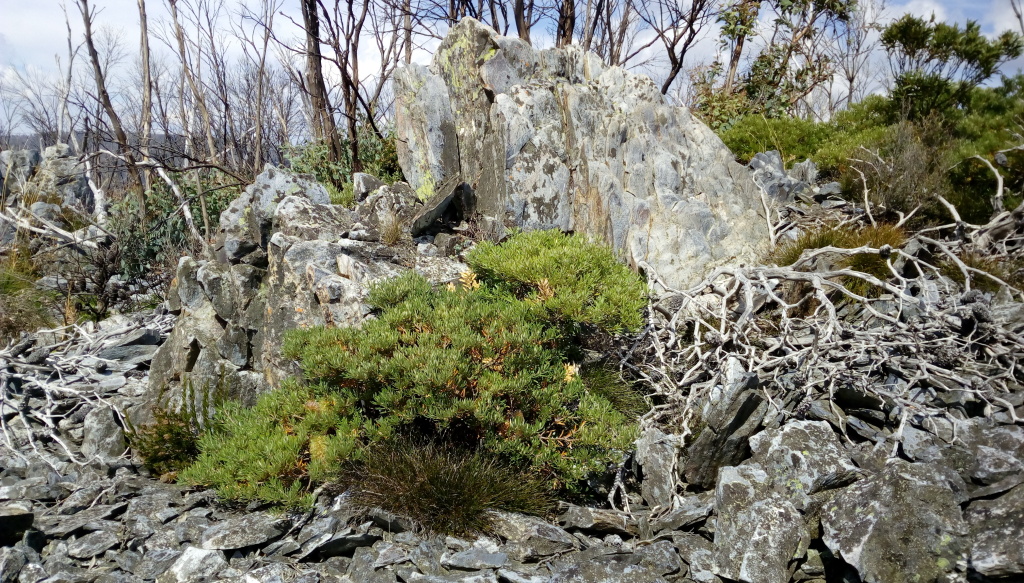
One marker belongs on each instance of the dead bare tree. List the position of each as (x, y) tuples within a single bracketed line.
[(321, 114), (677, 25), (855, 44)]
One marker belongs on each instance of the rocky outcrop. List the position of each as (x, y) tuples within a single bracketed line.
[(555, 139), (285, 259), (52, 175), (773, 486)]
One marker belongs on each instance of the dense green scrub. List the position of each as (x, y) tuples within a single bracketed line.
[(906, 162), (487, 368)]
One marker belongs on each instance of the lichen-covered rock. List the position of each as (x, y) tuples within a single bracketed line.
[(16, 167), (286, 259), (554, 139), (103, 437), (759, 531), (731, 415), (997, 529), (901, 525), (802, 458), (656, 456), (244, 531), (530, 538)]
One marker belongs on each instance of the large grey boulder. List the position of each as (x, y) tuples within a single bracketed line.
[(554, 139), (103, 435), (803, 458), (16, 167), (901, 525), (63, 177), (732, 414)]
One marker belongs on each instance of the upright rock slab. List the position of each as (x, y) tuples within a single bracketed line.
[(760, 532), (554, 139)]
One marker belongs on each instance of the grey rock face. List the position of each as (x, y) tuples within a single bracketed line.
[(474, 559), (803, 457), (92, 544), (910, 507), (530, 538), (606, 569), (193, 564), (103, 435), (690, 511), (656, 455), (16, 167), (243, 531), (997, 529), (12, 561), (364, 185), (596, 520), (759, 532), (732, 415), (553, 139), (998, 454), (15, 519)]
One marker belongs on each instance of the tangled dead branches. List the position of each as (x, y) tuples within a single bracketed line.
[(918, 341)]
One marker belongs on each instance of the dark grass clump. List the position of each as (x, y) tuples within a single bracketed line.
[(1010, 271), (443, 489), (23, 307), (847, 238), (168, 444)]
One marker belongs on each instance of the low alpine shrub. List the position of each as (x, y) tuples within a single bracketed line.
[(484, 368), (571, 278)]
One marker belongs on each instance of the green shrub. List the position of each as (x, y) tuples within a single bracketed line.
[(572, 279), (446, 490), (278, 450), (473, 367), (169, 443), (379, 157)]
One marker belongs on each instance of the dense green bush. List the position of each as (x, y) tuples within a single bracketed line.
[(379, 157), (906, 163), (485, 368), (575, 282)]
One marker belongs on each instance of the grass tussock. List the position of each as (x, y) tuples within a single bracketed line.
[(23, 307), (847, 238), (606, 381), (391, 229), (1011, 272), (444, 490)]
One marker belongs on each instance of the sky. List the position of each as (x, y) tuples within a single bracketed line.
[(33, 33)]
